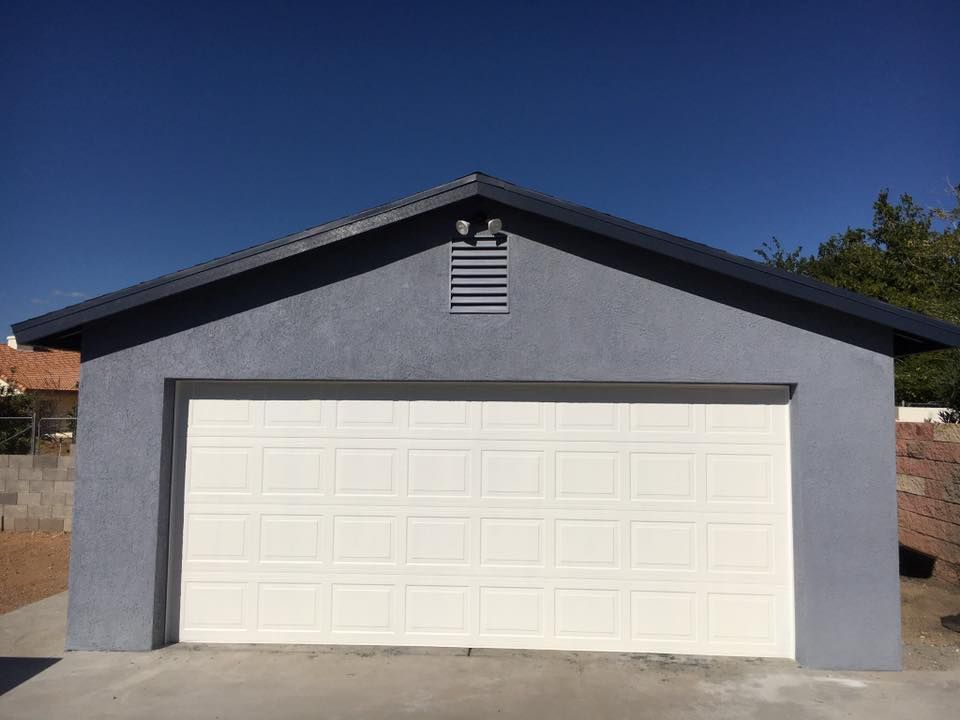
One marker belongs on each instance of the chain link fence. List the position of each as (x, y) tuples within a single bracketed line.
[(34, 435)]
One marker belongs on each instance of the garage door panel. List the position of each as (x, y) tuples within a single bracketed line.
[(232, 415), (438, 610), (288, 607), (513, 474), (294, 471), (363, 608), (605, 418), (716, 618), (222, 469), (439, 473), (588, 475), (443, 416), (306, 415), (364, 540), (218, 537), (581, 543), (288, 538), (663, 418), (438, 541), (659, 526), (366, 471)]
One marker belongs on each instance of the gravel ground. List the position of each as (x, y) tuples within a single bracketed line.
[(32, 566)]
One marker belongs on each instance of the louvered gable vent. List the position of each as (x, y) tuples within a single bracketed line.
[(478, 275)]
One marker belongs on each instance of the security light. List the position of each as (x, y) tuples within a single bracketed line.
[(463, 227), (494, 225)]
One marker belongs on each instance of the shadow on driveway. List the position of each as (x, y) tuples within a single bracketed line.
[(16, 670)]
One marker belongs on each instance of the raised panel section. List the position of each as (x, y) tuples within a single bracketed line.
[(438, 541), (512, 473), (361, 471), (362, 608), (663, 615), (288, 606), (438, 473), (511, 541), (290, 539), (746, 419), (588, 416), (662, 476), (588, 613), (588, 543), (437, 610), (739, 478), (588, 475), (292, 471), (511, 611), (439, 414), (213, 605), (294, 413), (365, 414), (364, 540), (741, 618), (661, 417), (733, 547), (662, 545), (216, 538), (212, 413), (512, 416), (218, 470)]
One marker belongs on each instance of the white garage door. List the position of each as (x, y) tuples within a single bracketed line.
[(639, 519)]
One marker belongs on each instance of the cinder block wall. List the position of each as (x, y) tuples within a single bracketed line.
[(928, 493), (36, 492)]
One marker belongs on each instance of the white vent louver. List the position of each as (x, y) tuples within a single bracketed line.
[(478, 275)]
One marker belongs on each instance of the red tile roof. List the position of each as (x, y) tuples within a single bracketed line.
[(40, 369)]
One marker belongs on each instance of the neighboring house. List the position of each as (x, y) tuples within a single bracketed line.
[(569, 432), (920, 414), (50, 376)]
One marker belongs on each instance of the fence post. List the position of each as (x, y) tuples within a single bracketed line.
[(33, 433)]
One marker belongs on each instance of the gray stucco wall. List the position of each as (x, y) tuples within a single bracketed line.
[(582, 309)]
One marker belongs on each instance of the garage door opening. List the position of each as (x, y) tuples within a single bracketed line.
[(543, 516)]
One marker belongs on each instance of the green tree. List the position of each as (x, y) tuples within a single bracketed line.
[(910, 257), (14, 434)]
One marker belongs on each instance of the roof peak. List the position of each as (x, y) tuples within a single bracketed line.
[(917, 332)]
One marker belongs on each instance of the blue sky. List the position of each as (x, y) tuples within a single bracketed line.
[(139, 138)]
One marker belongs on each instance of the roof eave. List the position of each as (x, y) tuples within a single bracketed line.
[(914, 332), (55, 328)]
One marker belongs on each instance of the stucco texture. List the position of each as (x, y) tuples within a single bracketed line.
[(582, 309)]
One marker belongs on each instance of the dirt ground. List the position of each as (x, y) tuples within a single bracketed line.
[(32, 566), (927, 645)]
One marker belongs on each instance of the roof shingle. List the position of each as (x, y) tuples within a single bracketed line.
[(40, 368)]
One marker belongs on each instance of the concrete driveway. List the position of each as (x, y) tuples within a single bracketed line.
[(297, 682)]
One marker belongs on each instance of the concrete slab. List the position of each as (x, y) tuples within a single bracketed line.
[(332, 682), (35, 630), (205, 682)]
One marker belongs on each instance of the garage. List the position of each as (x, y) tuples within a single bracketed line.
[(642, 520), (481, 416)]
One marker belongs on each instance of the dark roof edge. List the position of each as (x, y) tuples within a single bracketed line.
[(912, 325), (42, 326), (917, 332)]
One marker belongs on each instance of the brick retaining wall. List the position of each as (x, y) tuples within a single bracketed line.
[(928, 493), (36, 492)]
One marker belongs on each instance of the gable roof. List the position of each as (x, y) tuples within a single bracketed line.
[(913, 332), (39, 369)]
